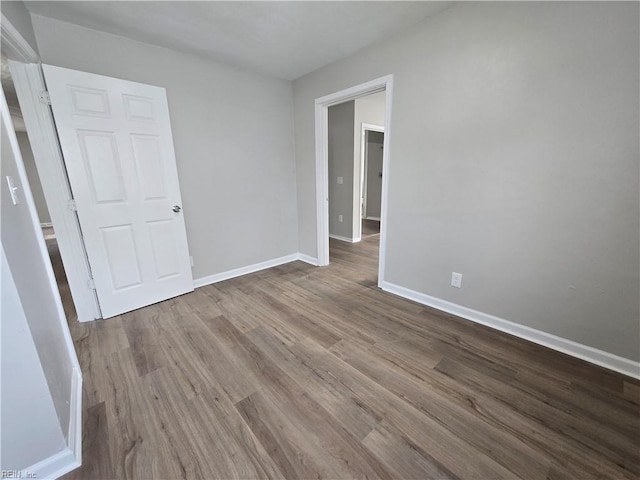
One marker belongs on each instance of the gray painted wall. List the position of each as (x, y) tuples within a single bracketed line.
[(23, 245), (34, 179), (513, 160), (30, 428), (232, 132), (373, 152), (340, 153), (20, 18)]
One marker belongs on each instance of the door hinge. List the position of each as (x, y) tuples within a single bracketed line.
[(44, 97), (72, 205), (91, 283)]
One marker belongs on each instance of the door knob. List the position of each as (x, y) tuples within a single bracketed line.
[(177, 208)]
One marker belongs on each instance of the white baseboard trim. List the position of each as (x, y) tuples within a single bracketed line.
[(237, 272), (70, 458), (46, 224), (342, 239), (53, 467), (372, 218), (569, 347), (308, 259), (219, 277), (74, 439)]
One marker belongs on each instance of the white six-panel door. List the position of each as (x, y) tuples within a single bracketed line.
[(118, 149)]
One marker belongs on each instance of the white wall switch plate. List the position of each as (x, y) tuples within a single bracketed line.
[(456, 280), (340, 218), (340, 180)]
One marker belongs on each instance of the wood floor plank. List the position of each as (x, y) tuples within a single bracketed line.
[(502, 447), (631, 392), (95, 446), (282, 313), (138, 448), (142, 330), (402, 456), (209, 440), (330, 449), (204, 360), (334, 317), (328, 445), (458, 456), (338, 399), (614, 444), (587, 453), (282, 453), (236, 306), (246, 448)]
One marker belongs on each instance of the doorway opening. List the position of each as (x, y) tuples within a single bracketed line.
[(352, 138), (371, 178), (355, 150)]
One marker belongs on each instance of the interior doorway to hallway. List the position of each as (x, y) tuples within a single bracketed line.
[(355, 153)]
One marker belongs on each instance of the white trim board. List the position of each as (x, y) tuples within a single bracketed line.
[(17, 48), (74, 440), (372, 127), (344, 239), (237, 272), (53, 467), (569, 347), (256, 267), (70, 457), (308, 259)]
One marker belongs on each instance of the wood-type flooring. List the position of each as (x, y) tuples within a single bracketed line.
[(306, 372)]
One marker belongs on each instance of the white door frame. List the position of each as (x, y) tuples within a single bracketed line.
[(43, 138), (322, 105), (363, 166)]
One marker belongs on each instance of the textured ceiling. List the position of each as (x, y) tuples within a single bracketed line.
[(280, 39)]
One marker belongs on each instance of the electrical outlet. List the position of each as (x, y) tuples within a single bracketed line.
[(456, 280), (340, 180), (340, 218)]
